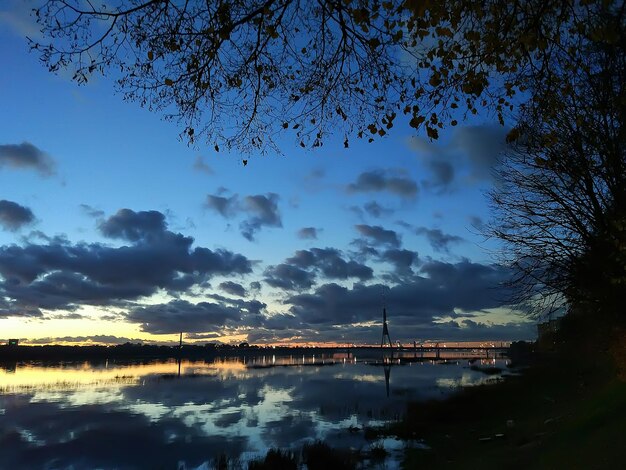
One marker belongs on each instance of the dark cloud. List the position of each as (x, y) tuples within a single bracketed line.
[(26, 155), (442, 174), (255, 286), (483, 146), (200, 336), (376, 210), (402, 260), (14, 216), (248, 307), (330, 263), (180, 315), (378, 235), (300, 271), (225, 206), (472, 152), (133, 226), (62, 275), (288, 277), (259, 210), (9, 308), (477, 223), (308, 233), (439, 291), (201, 166), (384, 180), (95, 339), (263, 211), (91, 211), (439, 240), (233, 288)]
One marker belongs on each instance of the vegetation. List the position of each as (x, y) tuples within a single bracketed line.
[(275, 459), (238, 72), (320, 456), (561, 413), (561, 204)]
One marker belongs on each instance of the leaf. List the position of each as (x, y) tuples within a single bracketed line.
[(245, 162), (169, 81), (150, 55), (432, 132), (416, 121)]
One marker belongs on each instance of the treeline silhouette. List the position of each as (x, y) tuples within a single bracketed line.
[(143, 351)]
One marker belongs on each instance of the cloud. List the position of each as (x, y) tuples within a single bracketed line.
[(91, 211), (27, 156), (60, 275), (378, 235), (483, 146), (255, 286), (442, 174), (472, 152), (376, 210), (133, 226), (14, 216), (477, 223), (439, 240), (308, 233), (17, 16), (263, 211), (383, 180), (300, 271), (288, 277), (440, 290), (330, 263), (94, 339), (225, 206), (202, 167), (181, 315), (259, 211), (402, 260), (233, 288)]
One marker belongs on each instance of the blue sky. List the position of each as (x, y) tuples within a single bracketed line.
[(89, 180)]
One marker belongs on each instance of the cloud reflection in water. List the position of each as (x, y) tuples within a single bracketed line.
[(145, 416)]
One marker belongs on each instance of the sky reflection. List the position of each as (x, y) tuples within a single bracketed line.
[(147, 416)]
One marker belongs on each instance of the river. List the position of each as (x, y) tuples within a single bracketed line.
[(183, 415)]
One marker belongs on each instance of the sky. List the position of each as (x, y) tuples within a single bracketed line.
[(112, 229)]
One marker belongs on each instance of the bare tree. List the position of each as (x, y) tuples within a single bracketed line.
[(561, 207)]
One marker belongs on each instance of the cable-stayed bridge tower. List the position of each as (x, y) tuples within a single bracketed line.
[(385, 331)]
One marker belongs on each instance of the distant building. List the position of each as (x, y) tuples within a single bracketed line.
[(13, 342)]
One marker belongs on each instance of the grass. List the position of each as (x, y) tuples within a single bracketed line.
[(556, 415)]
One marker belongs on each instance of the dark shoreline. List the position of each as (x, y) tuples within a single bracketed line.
[(191, 352)]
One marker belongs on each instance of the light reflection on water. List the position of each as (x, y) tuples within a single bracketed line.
[(158, 414)]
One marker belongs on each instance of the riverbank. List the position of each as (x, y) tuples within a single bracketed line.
[(557, 414)]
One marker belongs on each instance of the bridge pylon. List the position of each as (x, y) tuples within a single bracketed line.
[(385, 331)]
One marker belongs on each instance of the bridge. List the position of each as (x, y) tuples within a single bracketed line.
[(436, 352)]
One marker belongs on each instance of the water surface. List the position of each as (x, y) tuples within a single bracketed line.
[(169, 414)]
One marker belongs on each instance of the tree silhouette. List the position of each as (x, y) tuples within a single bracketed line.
[(240, 72), (561, 206)]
